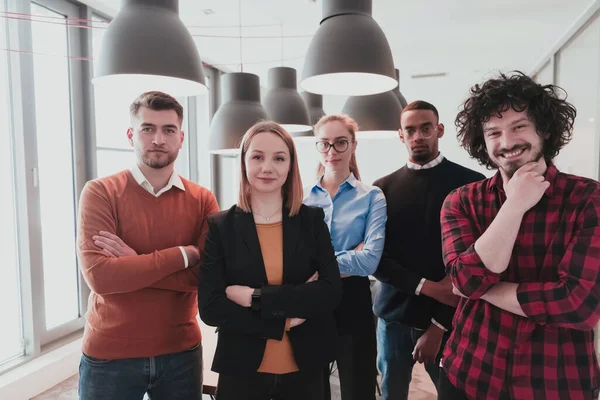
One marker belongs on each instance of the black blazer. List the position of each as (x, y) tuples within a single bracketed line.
[(232, 256)]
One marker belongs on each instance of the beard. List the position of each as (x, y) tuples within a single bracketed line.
[(511, 167), (422, 155), (159, 163)]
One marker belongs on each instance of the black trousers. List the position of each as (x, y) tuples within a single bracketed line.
[(356, 352), (446, 390), (261, 386)]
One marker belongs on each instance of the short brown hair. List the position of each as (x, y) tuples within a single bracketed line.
[(292, 188), (157, 101), (352, 128)]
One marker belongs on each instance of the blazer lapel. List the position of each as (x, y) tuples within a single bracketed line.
[(246, 228), (292, 228)]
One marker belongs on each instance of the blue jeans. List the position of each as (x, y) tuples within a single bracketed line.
[(171, 376), (395, 344)]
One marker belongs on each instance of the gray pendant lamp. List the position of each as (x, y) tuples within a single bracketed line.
[(147, 47), (283, 103), (349, 54), (240, 109), (401, 99), (314, 103), (376, 114)]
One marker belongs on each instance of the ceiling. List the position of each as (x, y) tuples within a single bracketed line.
[(426, 36)]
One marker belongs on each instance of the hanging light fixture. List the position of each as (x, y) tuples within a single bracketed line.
[(401, 99), (147, 47), (349, 54), (240, 109), (240, 105), (283, 103), (377, 115), (314, 103)]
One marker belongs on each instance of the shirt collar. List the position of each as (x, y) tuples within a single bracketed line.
[(174, 180), (433, 163), (351, 180), (551, 175)]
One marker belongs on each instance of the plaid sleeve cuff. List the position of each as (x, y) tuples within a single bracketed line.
[(419, 287), (471, 276)]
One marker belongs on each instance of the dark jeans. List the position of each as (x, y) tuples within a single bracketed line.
[(261, 386), (166, 377), (395, 344)]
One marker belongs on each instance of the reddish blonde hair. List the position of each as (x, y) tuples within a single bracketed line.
[(351, 126), (292, 188)]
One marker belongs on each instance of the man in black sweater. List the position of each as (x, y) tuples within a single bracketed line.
[(413, 298)]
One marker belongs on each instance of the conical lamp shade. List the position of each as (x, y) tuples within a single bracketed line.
[(283, 103), (377, 114), (314, 103), (240, 109), (147, 47), (349, 54), (401, 99)]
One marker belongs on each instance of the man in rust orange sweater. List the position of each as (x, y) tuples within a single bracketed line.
[(139, 236)]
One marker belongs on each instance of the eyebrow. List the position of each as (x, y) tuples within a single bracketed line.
[(421, 126), (150, 125), (337, 138), (519, 121)]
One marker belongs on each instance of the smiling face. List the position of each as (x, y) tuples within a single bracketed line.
[(267, 163), (341, 146), (512, 140), (156, 137)]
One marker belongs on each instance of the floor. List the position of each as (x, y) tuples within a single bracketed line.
[(421, 388)]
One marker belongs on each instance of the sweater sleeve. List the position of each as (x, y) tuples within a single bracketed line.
[(109, 275), (187, 280)]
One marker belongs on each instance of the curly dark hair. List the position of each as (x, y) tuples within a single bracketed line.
[(552, 115)]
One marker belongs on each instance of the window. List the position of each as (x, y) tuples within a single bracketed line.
[(11, 344), (55, 167)]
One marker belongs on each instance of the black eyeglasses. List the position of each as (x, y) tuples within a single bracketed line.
[(339, 145)]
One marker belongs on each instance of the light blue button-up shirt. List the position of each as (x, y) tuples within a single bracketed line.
[(356, 214)]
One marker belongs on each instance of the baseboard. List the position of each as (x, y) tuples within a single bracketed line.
[(42, 373)]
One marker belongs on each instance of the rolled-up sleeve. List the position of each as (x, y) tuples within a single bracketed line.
[(364, 262), (463, 264)]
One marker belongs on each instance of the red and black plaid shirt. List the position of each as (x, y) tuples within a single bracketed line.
[(495, 354)]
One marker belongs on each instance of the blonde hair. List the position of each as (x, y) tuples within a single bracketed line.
[(292, 188), (351, 126)]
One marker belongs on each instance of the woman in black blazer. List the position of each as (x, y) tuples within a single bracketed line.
[(269, 279)]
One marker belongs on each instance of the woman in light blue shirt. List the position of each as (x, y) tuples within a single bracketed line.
[(356, 215)]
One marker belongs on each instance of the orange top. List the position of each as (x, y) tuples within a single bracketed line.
[(278, 357), (144, 305)]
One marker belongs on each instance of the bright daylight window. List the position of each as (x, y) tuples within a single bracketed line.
[(11, 344), (55, 168)]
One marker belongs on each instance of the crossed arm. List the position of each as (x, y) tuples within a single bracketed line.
[(110, 266), (570, 302)]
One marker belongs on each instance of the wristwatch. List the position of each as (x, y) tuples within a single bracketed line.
[(256, 300)]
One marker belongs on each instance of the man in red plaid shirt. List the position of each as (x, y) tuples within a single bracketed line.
[(523, 250)]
